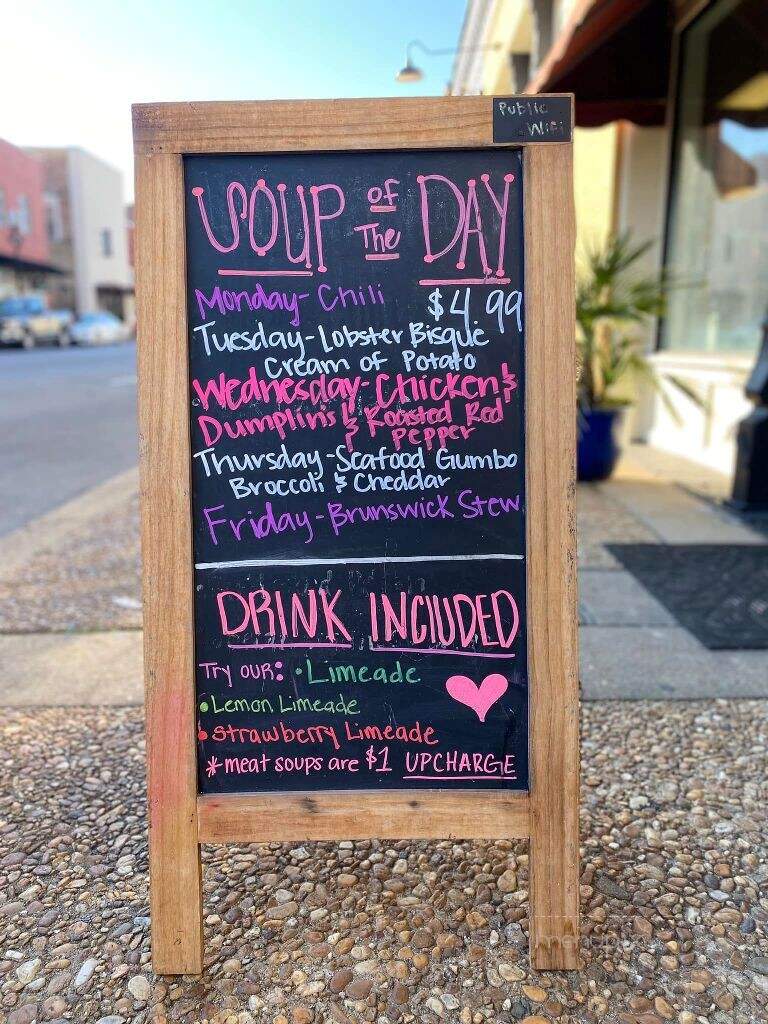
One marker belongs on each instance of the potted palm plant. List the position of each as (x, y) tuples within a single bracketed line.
[(613, 302)]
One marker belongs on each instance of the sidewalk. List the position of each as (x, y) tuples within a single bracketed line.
[(631, 646), (70, 594), (70, 603)]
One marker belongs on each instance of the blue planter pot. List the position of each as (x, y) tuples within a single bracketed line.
[(597, 450)]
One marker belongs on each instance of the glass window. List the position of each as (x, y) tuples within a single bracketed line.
[(718, 229), (23, 220), (106, 242), (54, 221)]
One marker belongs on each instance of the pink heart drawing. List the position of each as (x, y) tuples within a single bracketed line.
[(480, 698)]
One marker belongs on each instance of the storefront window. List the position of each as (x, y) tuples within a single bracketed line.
[(718, 230)]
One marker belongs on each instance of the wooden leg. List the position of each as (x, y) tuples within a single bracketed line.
[(552, 629), (554, 896), (166, 541), (175, 875), (176, 905)]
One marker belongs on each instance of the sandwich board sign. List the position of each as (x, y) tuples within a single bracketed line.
[(357, 409)]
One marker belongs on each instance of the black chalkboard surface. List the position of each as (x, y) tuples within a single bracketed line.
[(356, 343)]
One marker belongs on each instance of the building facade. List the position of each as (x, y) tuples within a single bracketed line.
[(25, 257), (87, 231), (672, 145)]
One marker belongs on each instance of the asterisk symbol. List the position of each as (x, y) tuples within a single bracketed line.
[(213, 765)]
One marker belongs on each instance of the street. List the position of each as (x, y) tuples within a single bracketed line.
[(69, 420)]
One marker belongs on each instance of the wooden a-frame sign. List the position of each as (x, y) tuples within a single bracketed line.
[(184, 153)]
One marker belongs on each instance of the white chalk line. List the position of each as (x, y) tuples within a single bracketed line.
[(249, 563)]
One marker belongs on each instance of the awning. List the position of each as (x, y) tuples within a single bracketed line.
[(28, 265), (614, 55), (121, 289)]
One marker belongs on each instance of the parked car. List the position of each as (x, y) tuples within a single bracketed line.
[(100, 328), (25, 321)]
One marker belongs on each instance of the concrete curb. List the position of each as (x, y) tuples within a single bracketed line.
[(71, 669), (52, 529)]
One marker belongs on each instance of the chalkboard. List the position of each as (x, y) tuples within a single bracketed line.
[(356, 359), (357, 457)]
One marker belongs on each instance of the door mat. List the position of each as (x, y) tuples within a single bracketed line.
[(718, 592)]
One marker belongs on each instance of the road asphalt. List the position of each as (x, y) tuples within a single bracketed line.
[(68, 420)]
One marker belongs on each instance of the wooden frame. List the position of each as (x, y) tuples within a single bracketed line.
[(180, 819)]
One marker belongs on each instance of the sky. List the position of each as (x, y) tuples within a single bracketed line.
[(70, 71)]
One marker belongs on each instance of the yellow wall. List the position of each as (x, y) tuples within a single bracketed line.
[(594, 170), (509, 27)]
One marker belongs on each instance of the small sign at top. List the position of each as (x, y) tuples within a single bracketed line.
[(533, 118)]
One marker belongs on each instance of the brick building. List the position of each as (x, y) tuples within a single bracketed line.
[(26, 263), (88, 231)]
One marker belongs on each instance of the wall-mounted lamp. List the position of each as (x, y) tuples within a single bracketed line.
[(411, 73)]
